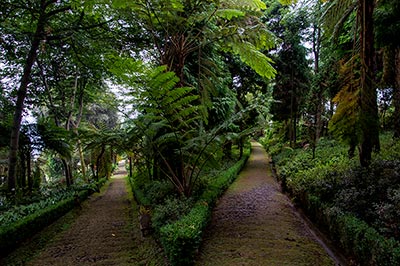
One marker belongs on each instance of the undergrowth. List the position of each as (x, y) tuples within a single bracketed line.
[(178, 221), (332, 186)]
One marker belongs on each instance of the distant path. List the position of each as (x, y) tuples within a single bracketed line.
[(106, 232), (255, 224)]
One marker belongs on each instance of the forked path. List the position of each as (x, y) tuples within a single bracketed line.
[(106, 232), (255, 224)]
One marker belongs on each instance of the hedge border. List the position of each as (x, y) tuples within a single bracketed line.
[(12, 235), (354, 235), (182, 238)]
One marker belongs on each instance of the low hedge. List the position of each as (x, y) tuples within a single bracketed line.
[(355, 236), (368, 246), (182, 238), (335, 193), (12, 234)]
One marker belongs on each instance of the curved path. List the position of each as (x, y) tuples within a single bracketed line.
[(255, 224), (105, 232)]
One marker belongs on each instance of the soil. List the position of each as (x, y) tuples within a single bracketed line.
[(103, 231), (255, 224)]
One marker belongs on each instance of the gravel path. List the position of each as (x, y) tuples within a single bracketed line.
[(255, 224), (105, 232)]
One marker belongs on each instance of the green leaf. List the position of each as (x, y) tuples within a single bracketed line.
[(230, 13), (258, 61)]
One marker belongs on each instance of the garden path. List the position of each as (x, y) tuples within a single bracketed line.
[(104, 232), (255, 224)]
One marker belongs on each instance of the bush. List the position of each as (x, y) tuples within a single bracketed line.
[(21, 222), (170, 211), (13, 233), (150, 193), (358, 207), (366, 244), (182, 238)]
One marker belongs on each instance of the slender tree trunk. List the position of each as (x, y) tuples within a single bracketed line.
[(396, 94), (293, 114), (130, 166), (98, 161), (19, 107), (67, 173), (319, 100), (22, 174), (29, 169), (21, 95), (79, 143), (369, 108)]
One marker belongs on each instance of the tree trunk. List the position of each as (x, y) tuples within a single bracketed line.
[(396, 94), (130, 166), (369, 108), (29, 169), (21, 95), (319, 99), (22, 173), (66, 172), (98, 162)]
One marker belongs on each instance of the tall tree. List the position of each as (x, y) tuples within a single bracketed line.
[(29, 27), (337, 14), (387, 20), (369, 108), (183, 34), (41, 15), (292, 80)]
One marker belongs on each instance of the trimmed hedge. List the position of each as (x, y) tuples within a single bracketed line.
[(355, 236), (11, 235), (335, 192), (182, 238)]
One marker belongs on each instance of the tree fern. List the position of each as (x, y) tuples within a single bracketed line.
[(253, 58), (345, 123)]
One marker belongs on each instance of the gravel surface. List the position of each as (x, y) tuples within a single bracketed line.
[(255, 224)]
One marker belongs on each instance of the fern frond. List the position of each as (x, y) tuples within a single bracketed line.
[(345, 123), (228, 13), (184, 101), (249, 5), (336, 15), (258, 61)]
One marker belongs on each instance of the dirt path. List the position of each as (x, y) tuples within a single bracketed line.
[(255, 224), (105, 232)]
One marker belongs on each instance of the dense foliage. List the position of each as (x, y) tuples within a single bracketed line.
[(339, 195), (180, 222), (177, 87)]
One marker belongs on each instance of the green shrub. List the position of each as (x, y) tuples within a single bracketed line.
[(13, 233), (170, 211), (182, 238), (23, 221), (358, 207), (157, 191), (369, 247)]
